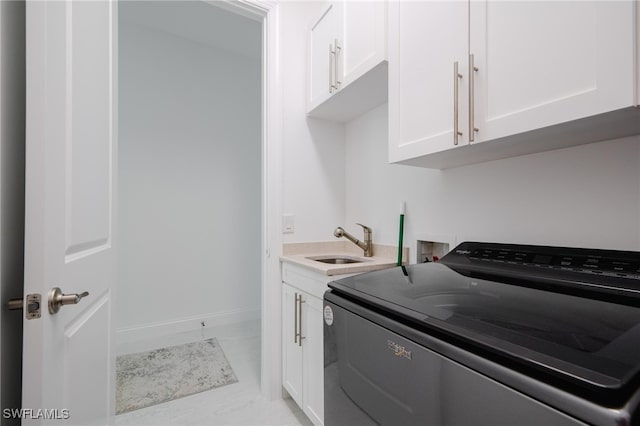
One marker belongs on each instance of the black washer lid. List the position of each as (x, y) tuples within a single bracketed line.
[(584, 341)]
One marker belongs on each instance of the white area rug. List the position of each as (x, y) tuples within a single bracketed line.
[(160, 375)]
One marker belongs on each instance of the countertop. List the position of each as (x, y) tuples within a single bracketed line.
[(384, 256)]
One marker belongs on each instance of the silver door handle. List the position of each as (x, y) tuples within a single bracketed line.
[(338, 49), (300, 336), (295, 319), (456, 77), (472, 126), (57, 299), (332, 55)]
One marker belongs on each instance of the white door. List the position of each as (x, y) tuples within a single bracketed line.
[(542, 63), (70, 205), (363, 38), (322, 56), (291, 349), (426, 39)]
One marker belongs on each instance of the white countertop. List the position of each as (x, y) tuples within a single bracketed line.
[(298, 253)]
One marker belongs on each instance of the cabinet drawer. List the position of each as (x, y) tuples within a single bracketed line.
[(305, 280)]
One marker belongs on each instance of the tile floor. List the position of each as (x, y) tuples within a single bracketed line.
[(239, 403)]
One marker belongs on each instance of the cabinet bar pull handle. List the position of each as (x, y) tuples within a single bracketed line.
[(472, 126), (295, 319), (456, 77), (330, 91), (332, 55), (300, 336), (338, 50)]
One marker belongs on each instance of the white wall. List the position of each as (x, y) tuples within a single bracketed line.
[(586, 196), (12, 133), (190, 181), (313, 150)]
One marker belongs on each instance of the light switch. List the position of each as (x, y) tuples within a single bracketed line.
[(288, 224)]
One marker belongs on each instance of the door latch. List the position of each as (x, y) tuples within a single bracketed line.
[(33, 310)]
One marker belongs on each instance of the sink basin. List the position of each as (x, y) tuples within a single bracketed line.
[(335, 260)]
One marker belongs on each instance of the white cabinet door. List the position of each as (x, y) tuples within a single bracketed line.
[(547, 62), (70, 205), (347, 71), (426, 39), (313, 362), (363, 42), (291, 350), (321, 70)]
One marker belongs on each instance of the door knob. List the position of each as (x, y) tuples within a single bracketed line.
[(57, 299)]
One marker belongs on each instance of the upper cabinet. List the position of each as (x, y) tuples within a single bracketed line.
[(347, 70), (428, 45), (322, 69), (482, 80)]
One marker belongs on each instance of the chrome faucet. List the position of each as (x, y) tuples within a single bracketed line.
[(367, 245)]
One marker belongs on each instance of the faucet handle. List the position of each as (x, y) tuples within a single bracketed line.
[(364, 227), (368, 243)]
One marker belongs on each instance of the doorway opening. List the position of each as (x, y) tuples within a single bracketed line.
[(191, 175)]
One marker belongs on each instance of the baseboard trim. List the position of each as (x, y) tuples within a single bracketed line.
[(180, 325)]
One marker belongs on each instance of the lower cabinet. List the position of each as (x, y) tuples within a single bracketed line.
[(303, 355)]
